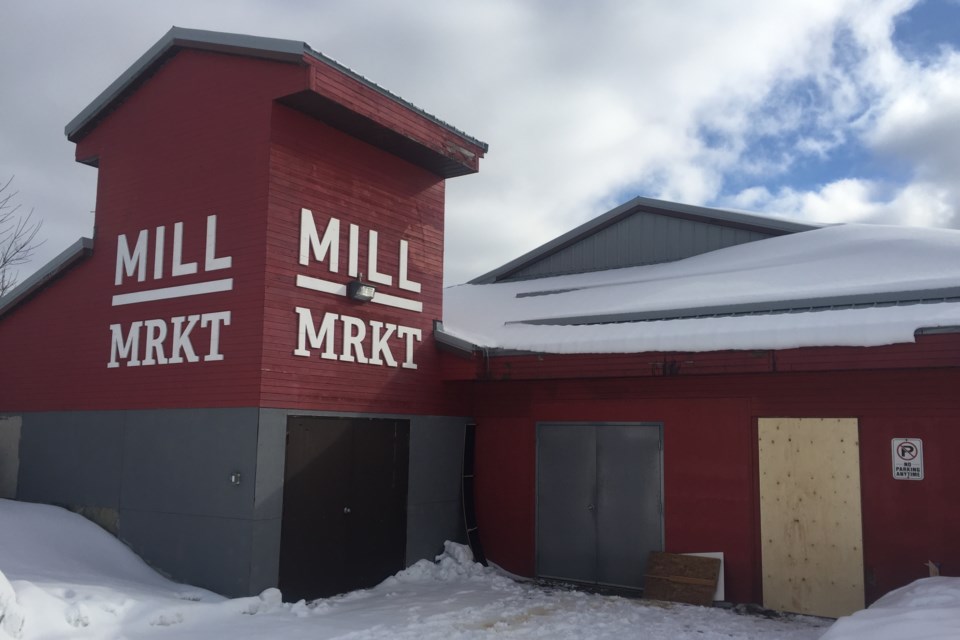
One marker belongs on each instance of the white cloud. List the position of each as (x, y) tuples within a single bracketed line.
[(913, 123), (583, 104), (920, 120), (921, 204)]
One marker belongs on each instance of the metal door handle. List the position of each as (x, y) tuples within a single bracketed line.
[(346, 509)]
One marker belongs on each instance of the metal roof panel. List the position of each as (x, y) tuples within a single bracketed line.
[(720, 217)]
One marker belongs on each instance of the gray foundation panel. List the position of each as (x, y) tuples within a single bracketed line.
[(165, 476), (72, 458), (181, 461), (265, 558), (213, 553), (9, 455)]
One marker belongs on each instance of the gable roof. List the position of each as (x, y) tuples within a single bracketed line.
[(456, 153), (641, 231), (178, 38), (843, 285)]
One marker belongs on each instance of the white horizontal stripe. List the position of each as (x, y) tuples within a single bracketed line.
[(398, 302), (325, 286), (182, 291)]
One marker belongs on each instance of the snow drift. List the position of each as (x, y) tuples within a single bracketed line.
[(66, 578), (928, 609)]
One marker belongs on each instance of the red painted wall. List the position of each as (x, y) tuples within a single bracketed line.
[(710, 488), (204, 135), (374, 190), (191, 142)]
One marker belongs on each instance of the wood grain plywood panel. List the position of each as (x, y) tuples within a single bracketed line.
[(810, 516)]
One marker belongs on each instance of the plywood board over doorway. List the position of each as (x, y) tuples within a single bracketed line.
[(810, 518)]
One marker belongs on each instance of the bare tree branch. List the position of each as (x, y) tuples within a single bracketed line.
[(18, 237)]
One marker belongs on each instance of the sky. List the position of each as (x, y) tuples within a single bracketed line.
[(815, 110)]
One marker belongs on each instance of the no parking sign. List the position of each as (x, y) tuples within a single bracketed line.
[(907, 458)]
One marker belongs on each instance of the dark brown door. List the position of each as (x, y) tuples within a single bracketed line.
[(344, 504)]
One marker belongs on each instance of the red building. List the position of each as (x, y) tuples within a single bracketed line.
[(202, 365), (245, 375), (696, 380)]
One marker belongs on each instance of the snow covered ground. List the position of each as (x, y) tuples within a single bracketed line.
[(62, 577), (927, 609)]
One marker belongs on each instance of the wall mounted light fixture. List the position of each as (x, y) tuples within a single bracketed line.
[(360, 290)]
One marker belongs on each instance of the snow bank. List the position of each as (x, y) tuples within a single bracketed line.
[(52, 544), (927, 609), (66, 578), (11, 615), (455, 563), (834, 261)]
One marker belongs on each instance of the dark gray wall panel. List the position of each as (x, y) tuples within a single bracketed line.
[(213, 553), (181, 461), (641, 238), (436, 458), (265, 558), (434, 511), (178, 505), (429, 525), (9, 455), (271, 443), (71, 458)]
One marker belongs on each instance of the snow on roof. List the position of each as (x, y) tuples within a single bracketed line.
[(845, 285)]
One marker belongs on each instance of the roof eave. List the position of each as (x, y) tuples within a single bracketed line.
[(451, 342), (291, 51), (76, 252), (176, 38)]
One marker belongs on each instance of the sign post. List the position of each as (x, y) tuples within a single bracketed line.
[(907, 458)]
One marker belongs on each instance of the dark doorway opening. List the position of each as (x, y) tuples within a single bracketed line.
[(344, 504)]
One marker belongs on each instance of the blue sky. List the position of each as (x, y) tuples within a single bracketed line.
[(815, 110), (921, 32), (920, 35)]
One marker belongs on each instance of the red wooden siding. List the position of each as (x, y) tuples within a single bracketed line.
[(710, 494), (364, 186), (935, 350), (205, 135), (191, 142), (367, 101)]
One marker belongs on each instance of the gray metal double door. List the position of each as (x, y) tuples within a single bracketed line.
[(599, 501)]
